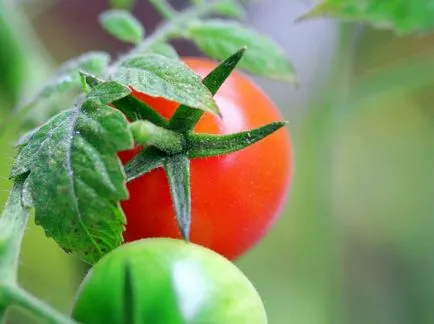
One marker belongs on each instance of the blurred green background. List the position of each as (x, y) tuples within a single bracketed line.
[(354, 244)]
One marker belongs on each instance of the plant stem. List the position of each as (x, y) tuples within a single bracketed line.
[(171, 28), (146, 133), (3, 310), (12, 227), (164, 8), (29, 302)]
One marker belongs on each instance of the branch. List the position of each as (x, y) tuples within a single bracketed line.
[(25, 300), (171, 28), (12, 227)]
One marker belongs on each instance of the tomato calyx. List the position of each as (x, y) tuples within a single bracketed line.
[(131, 107), (172, 144), (192, 145), (173, 151)]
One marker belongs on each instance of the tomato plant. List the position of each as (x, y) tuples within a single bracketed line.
[(167, 281), (205, 157), (235, 197)]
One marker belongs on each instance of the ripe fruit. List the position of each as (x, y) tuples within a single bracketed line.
[(167, 281), (237, 197)]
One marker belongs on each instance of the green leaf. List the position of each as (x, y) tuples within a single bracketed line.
[(147, 160), (164, 49), (105, 93), (402, 16), (185, 118), (204, 145), (230, 8), (122, 4), (24, 139), (68, 73), (67, 76), (132, 108), (159, 76), (219, 39), (76, 179), (122, 25), (178, 174)]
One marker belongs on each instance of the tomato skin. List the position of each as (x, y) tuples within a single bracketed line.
[(237, 197), (171, 282)]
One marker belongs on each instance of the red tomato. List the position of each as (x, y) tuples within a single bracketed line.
[(236, 197)]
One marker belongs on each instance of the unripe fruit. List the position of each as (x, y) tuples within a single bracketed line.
[(167, 281)]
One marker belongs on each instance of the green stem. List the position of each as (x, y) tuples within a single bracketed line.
[(3, 314), (22, 298), (146, 133), (171, 28), (164, 8), (12, 227)]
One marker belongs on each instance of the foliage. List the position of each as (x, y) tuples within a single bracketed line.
[(402, 16), (71, 159)]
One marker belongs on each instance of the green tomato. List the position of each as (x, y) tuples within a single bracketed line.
[(167, 281)]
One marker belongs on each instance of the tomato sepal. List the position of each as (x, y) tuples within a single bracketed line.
[(147, 160), (177, 166), (178, 174), (131, 107), (185, 117), (206, 145)]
